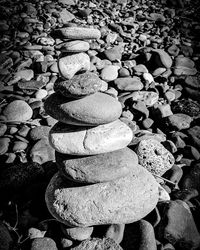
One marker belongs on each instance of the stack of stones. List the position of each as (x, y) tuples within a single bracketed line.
[(99, 181)]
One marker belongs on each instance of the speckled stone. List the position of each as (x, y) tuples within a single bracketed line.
[(81, 85), (97, 243), (179, 121), (153, 156)]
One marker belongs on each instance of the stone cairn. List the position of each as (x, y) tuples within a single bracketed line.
[(99, 181)]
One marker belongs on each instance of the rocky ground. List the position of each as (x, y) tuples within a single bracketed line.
[(122, 78)]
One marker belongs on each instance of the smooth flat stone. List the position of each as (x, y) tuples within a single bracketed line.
[(75, 46), (162, 58), (92, 110), (90, 140), (77, 33), (122, 201), (114, 53), (69, 65), (109, 73), (80, 85), (129, 83), (98, 168), (178, 71)]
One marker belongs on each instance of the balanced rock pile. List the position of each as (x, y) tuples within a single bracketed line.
[(99, 181)]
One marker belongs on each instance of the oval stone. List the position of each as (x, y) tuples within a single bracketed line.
[(122, 201), (82, 33), (92, 110), (69, 65), (129, 83), (98, 168), (162, 58), (80, 85), (18, 110), (90, 140)]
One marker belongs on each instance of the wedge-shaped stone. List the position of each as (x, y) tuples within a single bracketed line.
[(90, 140), (92, 110), (98, 168), (69, 65), (124, 200)]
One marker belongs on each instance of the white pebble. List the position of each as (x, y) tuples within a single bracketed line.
[(41, 93)]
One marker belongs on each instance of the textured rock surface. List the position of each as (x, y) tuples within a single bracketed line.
[(91, 110), (6, 241), (44, 244), (179, 121), (148, 97), (98, 244), (98, 168), (80, 85), (75, 140), (154, 156), (124, 200)]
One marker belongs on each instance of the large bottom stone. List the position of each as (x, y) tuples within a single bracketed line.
[(98, 168), (124, 200)]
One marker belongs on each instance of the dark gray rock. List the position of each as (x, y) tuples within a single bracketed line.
[(98, 168), (6, 242), (177, 226)]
